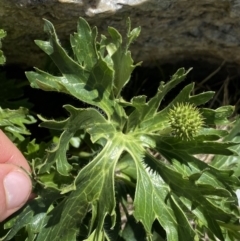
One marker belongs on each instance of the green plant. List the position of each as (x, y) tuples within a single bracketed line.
[(12, 121), (125, 151), (2, 57)]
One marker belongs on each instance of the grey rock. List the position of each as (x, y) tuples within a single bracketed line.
[(172, 30)]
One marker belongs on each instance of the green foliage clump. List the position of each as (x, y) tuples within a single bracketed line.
[(12, 121), (124, 152), (2, 57)]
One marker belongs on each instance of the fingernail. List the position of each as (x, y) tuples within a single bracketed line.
[(17, 187)]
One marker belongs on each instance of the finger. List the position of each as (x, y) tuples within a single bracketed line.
[(15, 188), (15, 184), (10, 154)]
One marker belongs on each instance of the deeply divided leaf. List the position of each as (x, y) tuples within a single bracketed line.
[(111, 152)]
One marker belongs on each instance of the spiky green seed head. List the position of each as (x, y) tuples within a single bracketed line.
[(185, 121)]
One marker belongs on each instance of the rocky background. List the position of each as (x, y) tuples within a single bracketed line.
[(172, 30)]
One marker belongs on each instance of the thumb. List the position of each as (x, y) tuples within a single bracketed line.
[(15, 188)]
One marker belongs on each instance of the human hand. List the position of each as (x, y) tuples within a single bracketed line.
[(15, 184)]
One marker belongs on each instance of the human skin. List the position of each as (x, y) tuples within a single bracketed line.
[(15, 184)]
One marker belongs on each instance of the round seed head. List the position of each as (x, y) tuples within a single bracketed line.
[(185, 121)]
